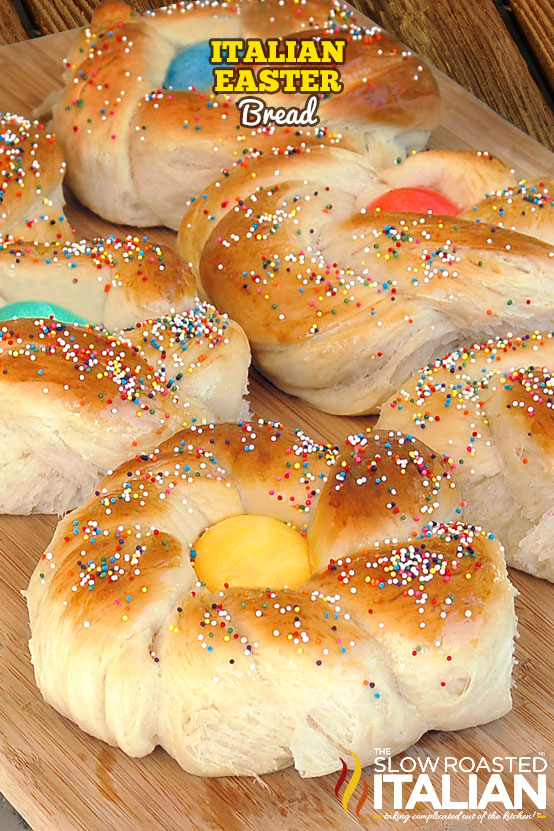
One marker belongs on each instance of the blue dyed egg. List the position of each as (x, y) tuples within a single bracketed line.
[(37, 308), (192, 68)]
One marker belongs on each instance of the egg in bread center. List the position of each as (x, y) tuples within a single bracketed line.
[(38, 309), (191, 68), (251, 551)]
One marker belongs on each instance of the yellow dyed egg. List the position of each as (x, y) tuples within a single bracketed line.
[(253, 552)]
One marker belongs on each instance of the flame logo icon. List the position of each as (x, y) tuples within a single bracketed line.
[(352, 785)]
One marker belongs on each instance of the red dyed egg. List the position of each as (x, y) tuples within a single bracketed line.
[(415, 200)]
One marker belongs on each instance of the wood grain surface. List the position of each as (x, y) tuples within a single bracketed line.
[(11, 28), (62, 780), (467, 39), (50, 17), (536, 19), (470, 43)]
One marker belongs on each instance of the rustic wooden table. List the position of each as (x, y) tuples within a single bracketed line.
[(500, 50)]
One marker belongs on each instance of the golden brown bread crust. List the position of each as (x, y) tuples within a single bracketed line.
[(489, 409), (467, 566), (398, 251), (87, 397), (122, 133), (32, 169), (113, 282), (524, 206), (277, 472), (112, 11), (104, 374), (155, 120), (264, 460), (84, 367), (402, 91), (337, 300), (116, 589), (266, 20), (357, 507), (461, 386), (234, 189)]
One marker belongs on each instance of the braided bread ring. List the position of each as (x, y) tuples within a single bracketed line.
[(340, 304), (489, 409), (113, 282), (129, 645), (75, 400), (130, 158)]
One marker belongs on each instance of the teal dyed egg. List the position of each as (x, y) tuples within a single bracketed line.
[(38, 308)]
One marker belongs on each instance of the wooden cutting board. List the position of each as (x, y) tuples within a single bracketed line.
[(62, 780)]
